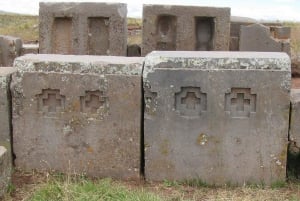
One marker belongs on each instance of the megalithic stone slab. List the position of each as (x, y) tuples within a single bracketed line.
[(257, 37), (172, 27), (5, 170), (83, 28), (221, 117), (78, 114), (5, 110), (295, 117), (10, 48)]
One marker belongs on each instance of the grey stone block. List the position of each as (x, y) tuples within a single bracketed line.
[(83, 28), (78, 114), (234, 44), (221, 117), (5, 170), (281, 32), (5, 109), (258, 37), (168, 27), (30, 49), (10, 48), (295, 117)]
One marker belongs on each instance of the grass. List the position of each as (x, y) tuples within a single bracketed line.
[(87, 190), (58, 187), (22, 26)]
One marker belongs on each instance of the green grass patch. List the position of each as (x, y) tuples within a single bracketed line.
[(82, 189)]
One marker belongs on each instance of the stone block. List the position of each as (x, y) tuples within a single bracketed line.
[(5, 170), (236, 22), (5, 109), (221, 117), (168, 27), (281, 32), (83, 28), (78, 114), (258, 37), (234, 44), (295, 117), (10, 48), (30, 49)]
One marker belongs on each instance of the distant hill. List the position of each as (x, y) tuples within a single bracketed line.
[(7, 13)]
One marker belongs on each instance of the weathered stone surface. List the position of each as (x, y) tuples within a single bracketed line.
[(30, 49), (168, 27), (216, 116), (83, 28), (10, 48), (234, 44), (78, 114), (5, 109), (258, 37), (236, 22), (281, 32), (295, 117), (5, 170)]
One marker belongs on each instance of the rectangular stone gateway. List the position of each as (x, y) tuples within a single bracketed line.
[(83, 28), (78, 114), (168, 27), (221, 117)]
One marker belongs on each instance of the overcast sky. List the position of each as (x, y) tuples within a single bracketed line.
[(258, 9)]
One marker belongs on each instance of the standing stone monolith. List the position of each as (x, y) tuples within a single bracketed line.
[(78, 114), (258, 37), (10, 48), (295, 117), (83, 28), (170, 27), (220, 117), (5, 110)]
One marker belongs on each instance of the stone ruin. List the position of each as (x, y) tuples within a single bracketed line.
[(171, 115), (185, 28), (83, 28), (10, 48), (261, 38)]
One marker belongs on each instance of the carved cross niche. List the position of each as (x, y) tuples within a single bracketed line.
[(50, 100), (190, 101), (240, 102), (92, 101)]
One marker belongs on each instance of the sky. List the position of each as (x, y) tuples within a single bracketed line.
[(257, 9)]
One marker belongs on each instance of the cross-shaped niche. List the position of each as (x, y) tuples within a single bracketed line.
[(50, 100), (93, 101), (190, 101), (240, 102)]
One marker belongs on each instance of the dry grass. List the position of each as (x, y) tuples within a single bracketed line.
[(24, 27)]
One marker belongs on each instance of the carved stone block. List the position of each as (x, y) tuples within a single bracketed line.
[(85, 28), (172, 27), (221, 117), (78, 114)]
